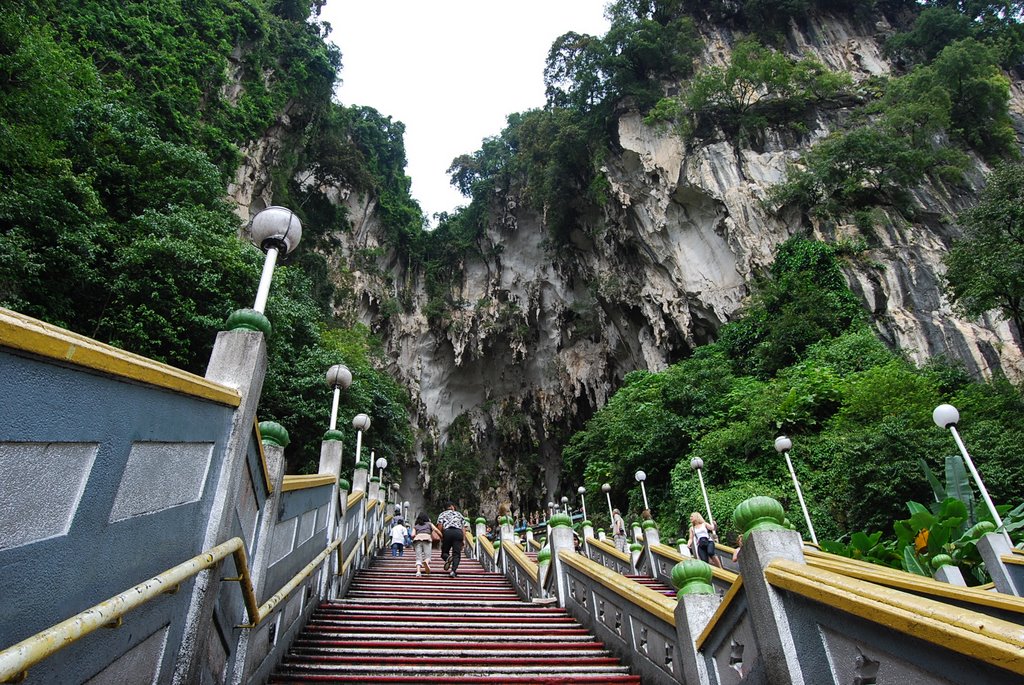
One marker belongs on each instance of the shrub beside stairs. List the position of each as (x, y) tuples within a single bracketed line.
[(394, 627)]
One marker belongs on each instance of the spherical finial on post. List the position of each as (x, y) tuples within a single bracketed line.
[(581, 490), (338, 376), (783, 444), (945, 415), (696, 463), (272, 230), (338, 379), (275, 227), (606, 488), (640, 476), (361, 422)]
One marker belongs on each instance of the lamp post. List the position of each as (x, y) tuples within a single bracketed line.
[(697, 464), (947, 416), (565, 504), (641, 477), (361, 422), (607, 489), (338, 378), (583, 502), (272, 230), (381, 465), (782, 446), (405, 510)]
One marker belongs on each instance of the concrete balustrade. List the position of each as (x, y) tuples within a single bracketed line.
[(130, 468)]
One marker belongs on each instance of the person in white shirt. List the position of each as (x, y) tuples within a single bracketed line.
[(398, 533), (700, 537)]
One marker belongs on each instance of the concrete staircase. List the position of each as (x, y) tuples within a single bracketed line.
[(654, 584), (394, 627)]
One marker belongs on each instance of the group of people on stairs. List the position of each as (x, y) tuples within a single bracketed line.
[(424, 533)]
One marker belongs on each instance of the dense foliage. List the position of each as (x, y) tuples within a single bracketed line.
[(120, 126), (801, 361), (985, 269)]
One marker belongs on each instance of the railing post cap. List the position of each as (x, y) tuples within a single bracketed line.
[(942, 560), (692, 577), (334, 435), (543, 555), (635, 546), (759, 513), (481, 520), (248, 320), (587, 523), (560, 520), (343, 484), (274, 433), (362, 465), (649, 524)]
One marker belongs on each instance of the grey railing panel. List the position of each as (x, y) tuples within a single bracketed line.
[(730, 648), (641, 638)]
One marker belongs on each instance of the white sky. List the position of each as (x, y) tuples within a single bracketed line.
[(450, 70)]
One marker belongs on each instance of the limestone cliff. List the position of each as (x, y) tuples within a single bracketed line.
[(543, 337)]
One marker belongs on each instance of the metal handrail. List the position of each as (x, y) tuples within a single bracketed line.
[(17, 659)]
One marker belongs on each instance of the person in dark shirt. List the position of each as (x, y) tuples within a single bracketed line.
[(451, 523)]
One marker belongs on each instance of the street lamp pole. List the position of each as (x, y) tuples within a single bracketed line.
[(361, 422), (583, 502), (338, 378), (273, 229), (607, 489), (697, 464), (783, 445), (641, 477), (947, 416), (565, 504)]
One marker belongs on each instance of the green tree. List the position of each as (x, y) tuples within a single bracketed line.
[(985, 268)]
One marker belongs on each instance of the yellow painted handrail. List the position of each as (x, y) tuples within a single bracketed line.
[(485, 542), (610, 549), (267, 607), (651, 600), (524, 562), (17, 659), (982, 637), (24, 333), (722, 574)]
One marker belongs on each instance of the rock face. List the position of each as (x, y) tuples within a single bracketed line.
[(545, 336)]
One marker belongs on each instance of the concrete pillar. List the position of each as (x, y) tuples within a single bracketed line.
[(638, 532), (238, 360), (601, 535), (374, 492), (480, 532), (764, 540), (1008, 579), (697, 603), (588, 532), (508, 534), (651, 537), (543, 569), (273, 451), (359, 478), (529, 538), (560, 539), (946, 572)]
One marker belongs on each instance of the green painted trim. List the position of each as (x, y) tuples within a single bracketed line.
[(274, 433), (692, 577), (248, 320), (759, 513)]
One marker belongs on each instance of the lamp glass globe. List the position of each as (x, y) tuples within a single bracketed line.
[(276, 227), (945, 415), (338, 376), (640, 476), (783, 444)]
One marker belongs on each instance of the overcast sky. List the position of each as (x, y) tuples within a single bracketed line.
[(450, 70)]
